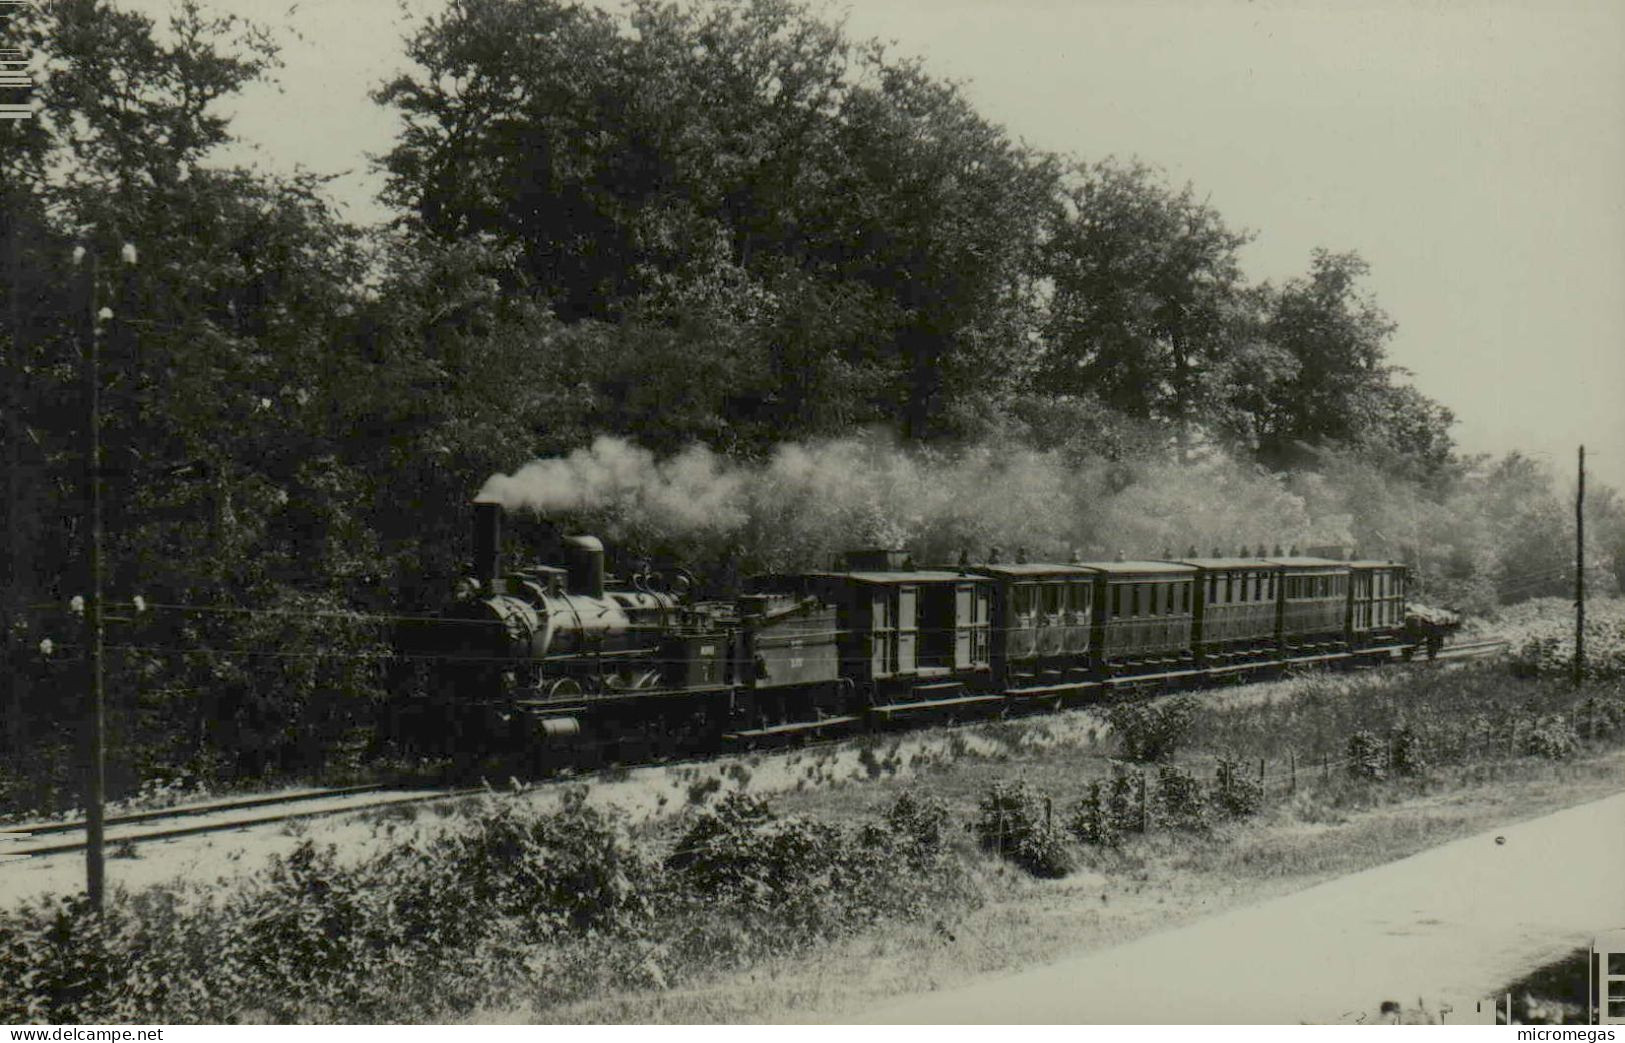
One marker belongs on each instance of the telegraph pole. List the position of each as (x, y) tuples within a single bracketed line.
[(1580, 573), (11, 598), (96, 788)]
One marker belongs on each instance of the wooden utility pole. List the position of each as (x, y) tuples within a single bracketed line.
[(11, 580), (96, 776), (1580, 573)]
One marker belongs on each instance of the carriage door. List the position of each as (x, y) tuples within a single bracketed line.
[(907, 630), (981, 645), (882, 643), (964, 624)]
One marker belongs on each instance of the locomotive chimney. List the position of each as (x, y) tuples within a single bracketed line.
[(487, 543)]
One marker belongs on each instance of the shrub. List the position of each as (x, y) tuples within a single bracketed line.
[(1367, 756), (1180, 801), (1551, 735), (1010, 824), (1409, 753), (1543, 641), (915, 828), (556, 905), (741, 849), (1092, 821), (1600, 717), (1234, 794), (1152, 729)]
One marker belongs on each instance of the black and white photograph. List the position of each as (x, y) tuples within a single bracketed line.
[(804, 513)]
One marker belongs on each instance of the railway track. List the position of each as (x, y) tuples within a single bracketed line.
[(29, 840), (24, 841), (1471, 649)]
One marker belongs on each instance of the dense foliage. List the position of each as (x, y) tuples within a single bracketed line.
[(508, 905), (723, 224)]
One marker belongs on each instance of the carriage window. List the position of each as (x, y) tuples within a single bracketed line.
[(1258, 587), (1184, 597), (1052, 598), (1117, 601), (1212, 587), (1134, 599), (1024, 598)]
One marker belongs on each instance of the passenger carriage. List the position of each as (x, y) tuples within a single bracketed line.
[(1043, 617), (911, 636), (1314, 604), (1376, 603), (1237, 611), (1143, 615)]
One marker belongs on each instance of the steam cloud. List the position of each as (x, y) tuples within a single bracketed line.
[(806, 503)]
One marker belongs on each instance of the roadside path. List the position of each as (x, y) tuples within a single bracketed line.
[(1453, 922)]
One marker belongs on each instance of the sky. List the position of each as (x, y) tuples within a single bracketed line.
[(1472, 151)]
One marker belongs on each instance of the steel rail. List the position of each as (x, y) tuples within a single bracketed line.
[(235, 824)]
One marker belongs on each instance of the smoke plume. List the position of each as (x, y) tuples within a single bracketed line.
[(806, 503)]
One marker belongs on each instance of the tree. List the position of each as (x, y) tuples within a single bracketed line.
[(1342, 390), (1148, 310), (719, 171), (222, 363)]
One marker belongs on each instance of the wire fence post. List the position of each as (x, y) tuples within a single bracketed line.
[(1292, 768), (1145, 816)]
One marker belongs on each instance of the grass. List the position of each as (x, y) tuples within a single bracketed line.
[(1151, 884), (1324, 824)]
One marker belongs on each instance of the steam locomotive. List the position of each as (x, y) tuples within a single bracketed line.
[(555, 656)]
